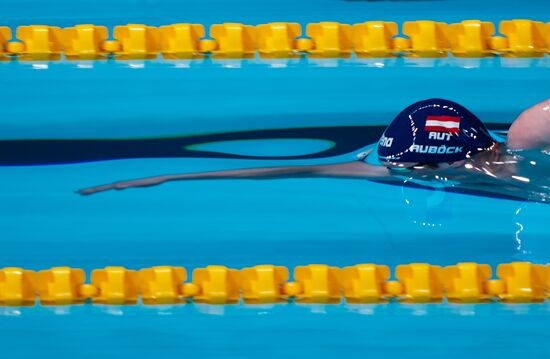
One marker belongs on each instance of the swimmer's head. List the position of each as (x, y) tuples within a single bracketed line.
[(432, 132)]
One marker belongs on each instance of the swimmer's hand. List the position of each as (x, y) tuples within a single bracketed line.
[(145, 182)]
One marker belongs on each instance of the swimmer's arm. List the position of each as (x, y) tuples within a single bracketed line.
[(531, 130), (355, 169)]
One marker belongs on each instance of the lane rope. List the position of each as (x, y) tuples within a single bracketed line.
[(518, 282), (371, 39)]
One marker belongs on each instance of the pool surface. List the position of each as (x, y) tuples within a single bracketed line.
[(66, 125)]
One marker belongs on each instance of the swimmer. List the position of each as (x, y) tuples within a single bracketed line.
[(434, 143)]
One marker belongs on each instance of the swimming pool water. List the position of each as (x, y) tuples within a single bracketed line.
[(239, 223), (415, 331)]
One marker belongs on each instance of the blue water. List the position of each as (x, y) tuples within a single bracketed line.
[(290, 331), (160, 12), (162, 98), (240, 223)]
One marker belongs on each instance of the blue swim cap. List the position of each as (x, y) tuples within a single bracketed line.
[(433, 131)]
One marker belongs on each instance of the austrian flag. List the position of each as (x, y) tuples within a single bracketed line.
[(449, 124)]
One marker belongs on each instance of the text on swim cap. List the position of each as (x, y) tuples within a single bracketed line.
[(435, 149), (386, 141), (439, 136)]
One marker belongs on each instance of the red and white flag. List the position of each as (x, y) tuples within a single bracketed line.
[(449, 124)]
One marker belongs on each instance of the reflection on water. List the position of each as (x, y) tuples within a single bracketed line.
[(288, 331), (532, 172), (302, 62), (243, 145), (275, 311), (501, 172)]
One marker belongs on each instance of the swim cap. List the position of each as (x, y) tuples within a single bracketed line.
[(433, 131)]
